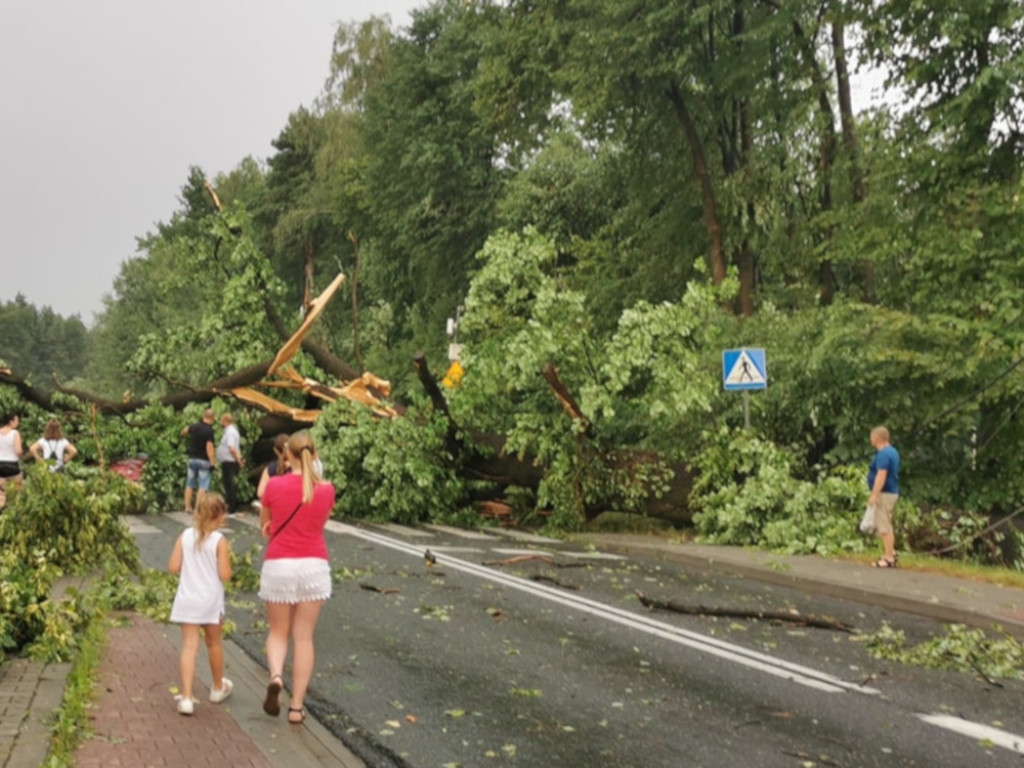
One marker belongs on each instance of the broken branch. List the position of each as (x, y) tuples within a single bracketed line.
[(380, 590), (739, 613), (556, 582), (528, 558)]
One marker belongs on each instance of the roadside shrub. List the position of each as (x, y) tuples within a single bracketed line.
[(73, 522), (57, 524), (747, 493)]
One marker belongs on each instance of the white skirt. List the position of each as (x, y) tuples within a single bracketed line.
[(295, 580)]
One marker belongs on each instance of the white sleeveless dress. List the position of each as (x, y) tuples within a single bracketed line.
[(200, 596)]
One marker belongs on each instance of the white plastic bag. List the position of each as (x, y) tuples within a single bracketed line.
[(867, 520)]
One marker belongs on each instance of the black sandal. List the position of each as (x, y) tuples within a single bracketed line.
[(272, 701), (302, 715)]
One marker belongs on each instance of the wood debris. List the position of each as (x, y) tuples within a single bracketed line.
[(740, 613)]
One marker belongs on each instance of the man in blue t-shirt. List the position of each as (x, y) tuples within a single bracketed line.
[(884, 485)]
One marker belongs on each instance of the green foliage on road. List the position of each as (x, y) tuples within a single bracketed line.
[(960, 648), (57, 525)]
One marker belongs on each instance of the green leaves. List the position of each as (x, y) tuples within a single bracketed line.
[(388, 469), (961, 649), (747, 494), (56, 525)]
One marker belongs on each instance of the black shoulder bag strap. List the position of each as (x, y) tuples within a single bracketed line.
[(285, 523)]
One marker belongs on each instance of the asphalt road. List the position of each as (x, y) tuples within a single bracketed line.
[(467, 665)]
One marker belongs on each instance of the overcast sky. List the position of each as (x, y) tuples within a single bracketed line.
[(104, 105)]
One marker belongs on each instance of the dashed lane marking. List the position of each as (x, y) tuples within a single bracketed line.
[(403, 530), (592, 555), (522, 552), (180, 517), (977, 731), (461, 533), (530, 538), (135, 524)]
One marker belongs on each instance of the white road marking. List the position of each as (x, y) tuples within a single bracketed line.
[(460, 550), (180, 517), (522, 552), (462, 533), (797, 673), (135, 524), (402, 530), (999, 737), (593, 555), (530, 538)]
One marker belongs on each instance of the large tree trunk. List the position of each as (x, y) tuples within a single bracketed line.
[(850, 143), (709, 201), (494, 465), (826, 156), (746, 258), (354, 287)]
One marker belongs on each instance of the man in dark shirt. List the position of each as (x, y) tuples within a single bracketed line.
[(200, 458)]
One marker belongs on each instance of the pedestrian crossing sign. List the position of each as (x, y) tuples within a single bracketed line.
[(744, 369)]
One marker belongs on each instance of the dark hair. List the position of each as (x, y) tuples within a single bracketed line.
[(8, 417), (281, 448)]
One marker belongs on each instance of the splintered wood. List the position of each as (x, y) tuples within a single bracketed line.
[(367, 390)]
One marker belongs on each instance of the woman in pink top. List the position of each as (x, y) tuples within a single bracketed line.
[(296, 576)]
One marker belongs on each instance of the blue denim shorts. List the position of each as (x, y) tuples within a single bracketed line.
[(198, 475)]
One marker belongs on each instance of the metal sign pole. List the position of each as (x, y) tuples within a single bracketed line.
[(746, 409)]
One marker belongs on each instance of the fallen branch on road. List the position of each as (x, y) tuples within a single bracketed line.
[(556, 582), (380, 590), (527, 558), (739, 613)]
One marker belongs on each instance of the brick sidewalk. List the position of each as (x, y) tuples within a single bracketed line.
[(134, 720)]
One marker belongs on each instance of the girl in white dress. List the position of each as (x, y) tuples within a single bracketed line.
[(202, 556)]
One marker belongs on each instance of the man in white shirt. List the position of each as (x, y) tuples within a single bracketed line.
[(229, 456)]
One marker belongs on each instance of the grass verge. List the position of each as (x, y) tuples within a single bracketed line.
[(72, 721), (988, 574)]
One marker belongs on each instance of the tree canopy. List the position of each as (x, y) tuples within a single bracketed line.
[(611, 193)]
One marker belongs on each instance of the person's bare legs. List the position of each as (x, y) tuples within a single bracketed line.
[(889, 545), (215, 650), (279, 620), (188, 499), (303, 626), (189, 650)]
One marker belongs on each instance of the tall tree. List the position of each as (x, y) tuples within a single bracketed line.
[(432, 175)]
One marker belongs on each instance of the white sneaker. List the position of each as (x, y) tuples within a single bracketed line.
[(185, 706), (217, 695)]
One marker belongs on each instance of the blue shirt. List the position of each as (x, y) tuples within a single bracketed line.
[(887, 458)]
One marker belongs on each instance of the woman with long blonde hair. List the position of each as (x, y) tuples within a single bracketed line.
[(296, 576)]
